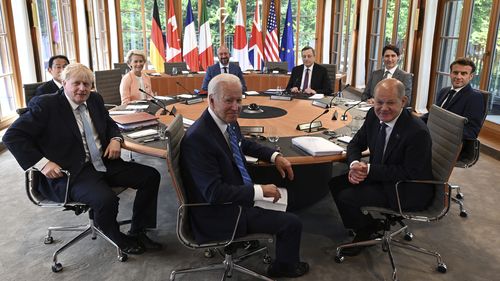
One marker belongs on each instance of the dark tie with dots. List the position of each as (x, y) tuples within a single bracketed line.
[(378, 154), (448, 99)]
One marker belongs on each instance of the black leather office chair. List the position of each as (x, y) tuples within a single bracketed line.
[(332, 74), (123, 67), (107, 83), (469, 156), (175, 133), (32, 179), (29, 93), (446, 129)]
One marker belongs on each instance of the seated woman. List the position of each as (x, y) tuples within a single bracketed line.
[(135, 79)]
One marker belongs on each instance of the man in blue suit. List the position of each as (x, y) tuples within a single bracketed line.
[(400, 149), (71, 129), (223, 66), (213, 171), (461, 98), (56, 67)]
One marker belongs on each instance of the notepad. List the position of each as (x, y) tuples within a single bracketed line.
[(280, 205), (345, 139), (143, 133), (317, 146), (316, 96)]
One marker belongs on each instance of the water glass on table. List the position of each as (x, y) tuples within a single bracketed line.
[(162, 130), (273, 137)]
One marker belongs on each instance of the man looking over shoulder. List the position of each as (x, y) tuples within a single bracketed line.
[(56, 67), (214, 171), (400, 149), (461, 98), (72, 130), (390, 56), (310, 77), (223, 66)]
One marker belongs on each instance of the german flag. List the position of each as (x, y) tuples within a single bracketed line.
[(156, 46)]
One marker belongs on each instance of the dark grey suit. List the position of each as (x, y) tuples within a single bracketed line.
[(407, 156), (377, 76)]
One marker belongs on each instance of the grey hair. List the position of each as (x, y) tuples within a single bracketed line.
[(219, 82)]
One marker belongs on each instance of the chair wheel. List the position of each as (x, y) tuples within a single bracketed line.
[(408, 236), (442, 268), (460, 195), (339, 259), (267, 259), (57, 267), (48, 240), (209, 253), (123, 258), (463, 213)]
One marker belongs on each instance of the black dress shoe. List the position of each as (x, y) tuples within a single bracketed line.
[(133, 249), (277, 270), (143, 240)]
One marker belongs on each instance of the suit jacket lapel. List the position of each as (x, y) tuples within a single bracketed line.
[(217, 134), (395, 137), (462, 93), (68, 116)]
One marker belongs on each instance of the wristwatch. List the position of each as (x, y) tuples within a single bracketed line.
[(119, 139)]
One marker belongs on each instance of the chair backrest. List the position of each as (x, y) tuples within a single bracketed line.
[(181, 66), (174, 134), (30, 90), (487, 101), (446, 130), (32, 179), (107, 83), (332, 71), (123, 67), (281, 66)]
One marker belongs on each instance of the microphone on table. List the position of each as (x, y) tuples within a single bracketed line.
[(158, 102), (184, 88), (343, 117), (338, 94), (310, 123)]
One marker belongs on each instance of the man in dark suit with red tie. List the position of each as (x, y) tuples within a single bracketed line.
[(72, 130), (309, 78), (400, 149), (214, 171), (461, 98)]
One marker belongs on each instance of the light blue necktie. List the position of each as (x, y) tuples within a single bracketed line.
[(238, 156), (95, 155)]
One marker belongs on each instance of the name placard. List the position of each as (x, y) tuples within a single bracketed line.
[(193, 101), (276, 97), (314, 126), (245, 130), (320, 104)]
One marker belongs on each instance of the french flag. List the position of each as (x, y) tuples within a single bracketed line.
[(190, 44)]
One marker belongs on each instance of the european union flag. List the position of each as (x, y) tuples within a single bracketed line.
[(287, 51)]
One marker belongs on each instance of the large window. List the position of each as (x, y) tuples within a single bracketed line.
[(7, 78), (99, 35), (343, 26), (54, 31)]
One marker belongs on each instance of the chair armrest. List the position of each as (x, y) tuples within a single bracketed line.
[(29, 175), (409, 216), (109, 106), (224, 243)]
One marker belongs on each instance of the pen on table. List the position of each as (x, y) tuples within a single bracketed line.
[(151, 140)]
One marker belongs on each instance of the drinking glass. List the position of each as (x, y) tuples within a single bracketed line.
[(162, 131), (174, 71), (356, 123), (273, 137), (279, 90)]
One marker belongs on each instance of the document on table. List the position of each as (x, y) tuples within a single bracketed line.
[(280, 205), (121, 112), (345, 139), (316, 96), (143, 133), (137, 106), (185, 96), (252, 93), (164, 98), (317, 146)]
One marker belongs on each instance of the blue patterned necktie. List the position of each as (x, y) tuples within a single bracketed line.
[(237, 155), (378, 154), (95, 155)]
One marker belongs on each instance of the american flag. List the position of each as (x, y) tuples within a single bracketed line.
[(271, 44)]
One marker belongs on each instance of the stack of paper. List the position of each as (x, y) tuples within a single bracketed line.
[(280, 205), (135, 120), (143, 133), (317, 146)]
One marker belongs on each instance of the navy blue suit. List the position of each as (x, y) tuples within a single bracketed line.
[(48, 87), (49, 129), (210, 174), (215, 70), (320, 81), (407, 156), (467, 103)]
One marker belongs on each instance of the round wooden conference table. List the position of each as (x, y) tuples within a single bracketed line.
[(311, 173)]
